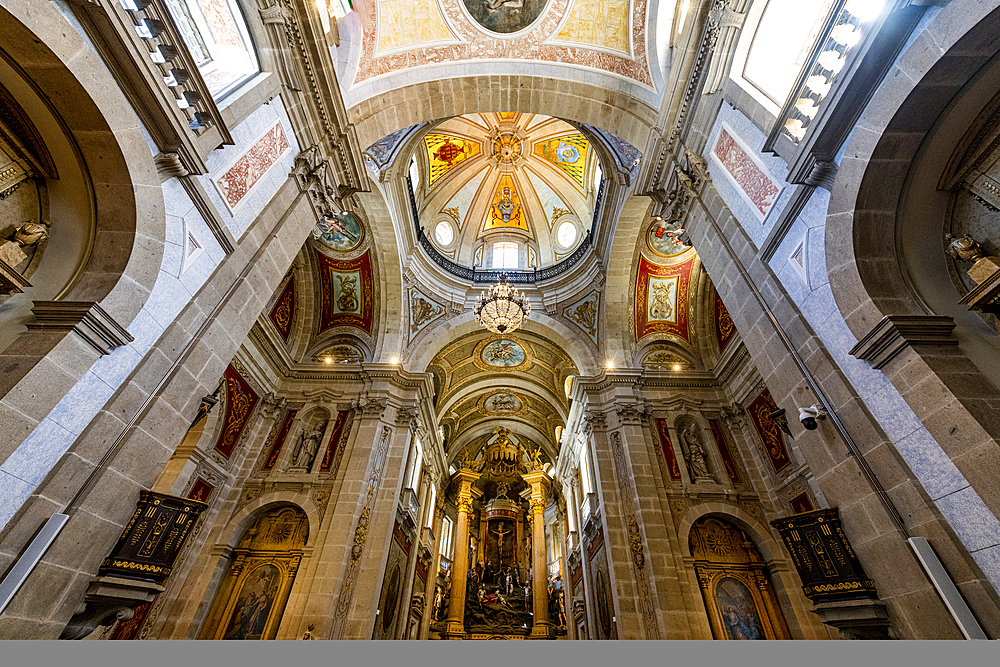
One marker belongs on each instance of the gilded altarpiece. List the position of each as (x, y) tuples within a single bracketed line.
[(738, 595), (253, 594)]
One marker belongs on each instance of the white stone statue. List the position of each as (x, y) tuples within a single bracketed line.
[(697, 464), (308, 446)]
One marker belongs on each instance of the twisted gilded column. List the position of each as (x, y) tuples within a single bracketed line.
[(454, 625), (539, 482)]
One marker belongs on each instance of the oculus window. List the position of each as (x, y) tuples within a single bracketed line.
[(216, 35), (444, 233), (566, 236)]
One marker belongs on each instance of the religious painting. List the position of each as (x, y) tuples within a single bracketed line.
[(661, 298), (407, 23), (739, 598), (568, 154), (769, 431), (584, 313), (503, 354), (739, 613), (348, 292), (241, 399), (284, 310), (423, 311), (599, 23), (391, 597), (341, 232), (663, 238), (506, 211), (254, 604), (724, 328), (445, 152), (754, 183), (504, 16), (502, 403)]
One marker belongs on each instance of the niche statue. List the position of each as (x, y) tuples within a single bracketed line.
[(305, 453), (696, 457)]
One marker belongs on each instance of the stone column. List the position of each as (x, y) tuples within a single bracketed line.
[(539, 482), (455, 623), (429, 589)]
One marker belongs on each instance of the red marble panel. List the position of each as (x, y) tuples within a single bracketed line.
[(279, 440), (757, 185), (241, 399), (283, 311), (668, 450), (769, 431), (724, 451), (239, 179)]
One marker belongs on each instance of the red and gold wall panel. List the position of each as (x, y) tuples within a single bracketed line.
[(801, 504), (201, 490), (724, 328), (724, 451), (668, 450), (241, 399), (279, 440), (347, 293), (661, 299), (341, 429), (283, 311), (768, 430)]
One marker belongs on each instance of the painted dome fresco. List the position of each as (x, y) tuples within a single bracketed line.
[(505, 190)]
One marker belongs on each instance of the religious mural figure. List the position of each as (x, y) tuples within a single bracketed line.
[(421, 310), (739, 613), (341, 231), (504, 16), (249, 616)]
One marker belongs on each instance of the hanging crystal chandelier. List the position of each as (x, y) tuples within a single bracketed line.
[(503, 308)]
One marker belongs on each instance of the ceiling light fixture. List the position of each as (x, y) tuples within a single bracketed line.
[(503, 308)]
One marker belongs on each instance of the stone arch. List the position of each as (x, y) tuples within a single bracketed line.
[(760, 533), (900, 332), (614, 111), (128, 202), (249, 513)]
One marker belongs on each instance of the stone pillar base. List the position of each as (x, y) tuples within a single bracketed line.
[(856, 619), (453, 630), (541, 631)]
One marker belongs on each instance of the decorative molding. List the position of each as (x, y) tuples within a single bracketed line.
[(895, 332), (86, 318), (169, 165)]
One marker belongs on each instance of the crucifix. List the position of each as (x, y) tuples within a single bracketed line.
[(500, 535)]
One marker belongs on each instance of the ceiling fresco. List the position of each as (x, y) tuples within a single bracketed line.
[(606, 35), (486, 175), (662, 298), (484, 357)]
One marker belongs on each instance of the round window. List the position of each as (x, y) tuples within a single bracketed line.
[(566, 234), (444, 233)]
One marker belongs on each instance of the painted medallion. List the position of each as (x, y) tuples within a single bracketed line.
[(663, 238), (502, 403), (504, 16), (341, 232), (503, 354)]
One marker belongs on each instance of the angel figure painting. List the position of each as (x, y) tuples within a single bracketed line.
[(739, 613), (249, 617)]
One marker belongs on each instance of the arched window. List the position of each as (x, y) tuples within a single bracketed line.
[(216, 35), (505, 255)]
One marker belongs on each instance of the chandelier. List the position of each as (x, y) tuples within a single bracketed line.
[(503, 308)]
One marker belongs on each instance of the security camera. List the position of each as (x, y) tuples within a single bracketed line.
[(808, 416)]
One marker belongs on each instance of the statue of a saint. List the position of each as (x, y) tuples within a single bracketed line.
[(308, 447), (697, 465)]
